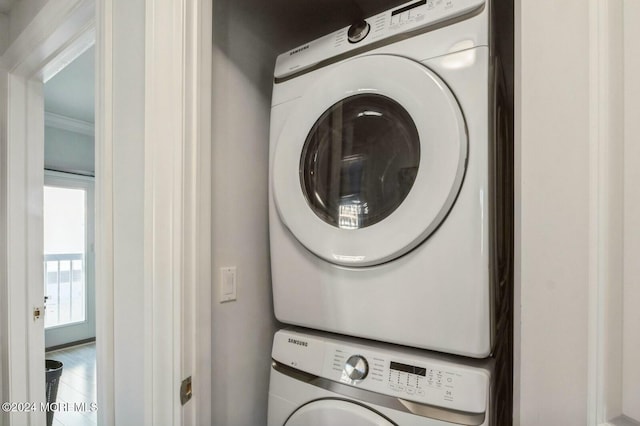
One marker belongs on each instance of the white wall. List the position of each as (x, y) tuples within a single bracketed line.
[(4, 32), (21, 14), (552, 211), (631, 320), (242, 330), (68, 151)]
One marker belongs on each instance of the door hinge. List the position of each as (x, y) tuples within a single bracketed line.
[(185, 391)]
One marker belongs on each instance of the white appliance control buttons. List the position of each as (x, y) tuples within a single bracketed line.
[(356, 367), (358, 31)]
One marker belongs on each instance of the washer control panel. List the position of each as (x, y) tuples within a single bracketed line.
[(358, 31), (409, 374), (413, 380), (423, 381), (410, 17), (356, 367)]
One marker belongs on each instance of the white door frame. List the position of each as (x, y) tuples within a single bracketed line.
[(196, 325), (177, 203), (177, 213)]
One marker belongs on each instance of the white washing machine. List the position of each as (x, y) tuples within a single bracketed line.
[(380, 179), (320, 379)]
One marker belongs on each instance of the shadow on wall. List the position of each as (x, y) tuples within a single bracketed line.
[(276, 26), (245, 45)]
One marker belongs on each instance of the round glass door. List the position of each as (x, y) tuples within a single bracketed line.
[(370, 161), (360, 161), (336, 412)]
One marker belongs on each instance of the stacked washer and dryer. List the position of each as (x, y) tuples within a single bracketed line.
[(383, 221)]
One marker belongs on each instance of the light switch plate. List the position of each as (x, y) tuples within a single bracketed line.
[(228, 283)]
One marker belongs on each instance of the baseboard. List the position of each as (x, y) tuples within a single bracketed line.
[(621, 421), (68, 345)]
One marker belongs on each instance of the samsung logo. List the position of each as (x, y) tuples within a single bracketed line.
[(298, 342), (299, 49)]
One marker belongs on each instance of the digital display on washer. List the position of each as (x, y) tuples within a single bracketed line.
[(408, 7), (408, 369)]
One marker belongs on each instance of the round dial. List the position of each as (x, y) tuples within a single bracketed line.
[(356, 367), (358, 31)]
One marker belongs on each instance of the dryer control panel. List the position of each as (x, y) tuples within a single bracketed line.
[(409, 374), (386, 27)]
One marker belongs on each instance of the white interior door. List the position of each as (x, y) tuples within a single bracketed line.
[(69, 275)]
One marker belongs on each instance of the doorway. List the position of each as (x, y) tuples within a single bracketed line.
[(68, 236), (68, 204)]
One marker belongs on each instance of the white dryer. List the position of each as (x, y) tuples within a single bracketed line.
[(319, 379), (380, 195)]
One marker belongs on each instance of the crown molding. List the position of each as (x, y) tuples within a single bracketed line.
[(70, 124)]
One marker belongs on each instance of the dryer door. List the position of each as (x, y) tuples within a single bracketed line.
[(371, 161), (336, 412)]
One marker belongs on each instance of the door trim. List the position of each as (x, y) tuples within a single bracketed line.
[(177, 208)]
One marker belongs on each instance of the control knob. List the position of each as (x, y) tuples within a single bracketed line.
[(356, 367), (358, 31)]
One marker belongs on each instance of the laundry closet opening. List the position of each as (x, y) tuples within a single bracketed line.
[(248, 36)]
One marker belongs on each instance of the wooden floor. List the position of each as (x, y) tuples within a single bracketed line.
[(77, 384)]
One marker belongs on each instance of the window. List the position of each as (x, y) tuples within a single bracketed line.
[(65, 228)]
